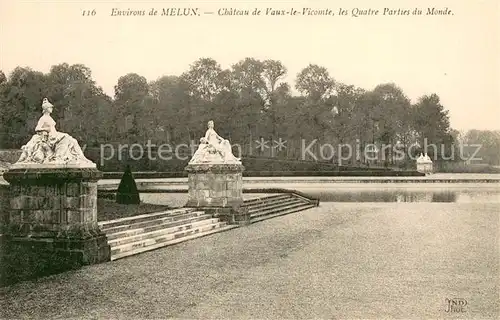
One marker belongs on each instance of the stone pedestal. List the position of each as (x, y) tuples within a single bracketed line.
[(425, 167), (424, 164), (51, 224), (217, 189), (215, 185)]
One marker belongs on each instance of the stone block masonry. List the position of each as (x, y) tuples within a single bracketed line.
[(215, 185), (217, 188), (51, 222)]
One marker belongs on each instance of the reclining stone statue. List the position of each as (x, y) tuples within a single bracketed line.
[(48, 146), (214, 149)]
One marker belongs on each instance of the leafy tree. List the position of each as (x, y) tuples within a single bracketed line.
[(22, 96), (488, 143), (76, 96), (249, 88), (390, 116), (248, 101), (431, 122), (314, 82), (247, 79), (273, 72), (131, 94), (167, 110), (204, 82), (205, 79), (3, 78)]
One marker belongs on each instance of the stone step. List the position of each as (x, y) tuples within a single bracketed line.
[(281, 202), (278, 209), (163, 241), (264, 202), (265, 199), (153, 221), (161, 232), (281, 213), (134, 230), (143, 217)]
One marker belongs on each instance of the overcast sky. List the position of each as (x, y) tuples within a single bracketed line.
[(455, 56)]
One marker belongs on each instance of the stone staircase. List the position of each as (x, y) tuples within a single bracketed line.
[(277, 205), (137, 234), (133, 235)]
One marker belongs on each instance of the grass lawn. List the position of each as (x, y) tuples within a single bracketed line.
[(109, 209)]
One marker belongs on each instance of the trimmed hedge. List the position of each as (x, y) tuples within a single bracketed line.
[(463, 168), (251, 163), (127, 190), (332, 174)]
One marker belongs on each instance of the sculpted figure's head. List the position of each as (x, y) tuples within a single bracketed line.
[(47, 107), (211, 124)]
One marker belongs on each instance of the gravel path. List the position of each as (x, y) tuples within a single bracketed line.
[(341, 260)]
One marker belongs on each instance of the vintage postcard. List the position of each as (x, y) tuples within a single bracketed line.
[(241, 159)]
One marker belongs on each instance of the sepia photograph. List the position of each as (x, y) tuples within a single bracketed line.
[(293, 159)]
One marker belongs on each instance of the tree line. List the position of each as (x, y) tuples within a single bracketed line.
[(247, 101)]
